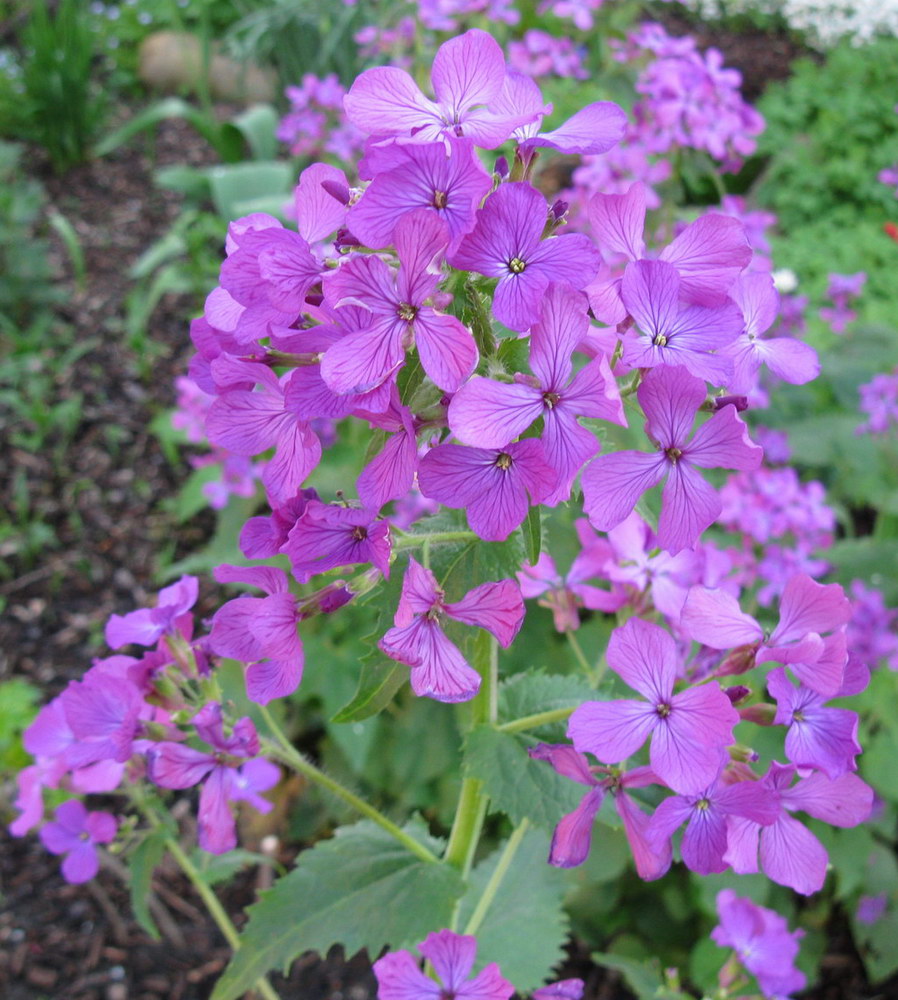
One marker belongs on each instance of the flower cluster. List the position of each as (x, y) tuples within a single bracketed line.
[(313, 126), (879, 401), (842, 288)]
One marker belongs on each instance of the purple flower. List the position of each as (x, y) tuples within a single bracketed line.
[(790, 854), (612, 484), (439, 670), (818, 737), (842, 289), (328, 536), (76, 833), (705, 840), (420, 176), (788, 359), (690, 730), (260, 632), (564, 989), (488, 413), (808, 610), (506, 243), (468, 74), (879, 400), (490, 484), (452, 957), (224, 779), (103, 712), (397, 314), (763, 942), (147, 625)]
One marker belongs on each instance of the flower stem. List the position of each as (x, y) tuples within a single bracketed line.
[(415, 541), (499, 872), (284, 750), (535, 721), (578, 652), (472, 801)]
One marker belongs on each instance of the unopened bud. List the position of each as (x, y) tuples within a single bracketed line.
[(739, 660), (737, 693), (345, 240), (501, 168), (744, 755), (337, 190), (761, 714), (559, 209), (740, 402)]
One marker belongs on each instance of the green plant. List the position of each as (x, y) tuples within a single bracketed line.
[(54, 102)]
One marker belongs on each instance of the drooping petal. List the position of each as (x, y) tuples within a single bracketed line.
[(807, 606), (573, 834), (439, 670), (497, 607), (270, 679), (446, 348), (386, 101), (791, 855), (590, 131), (399, 978), (318, 212), (613, 484), (723, 443)]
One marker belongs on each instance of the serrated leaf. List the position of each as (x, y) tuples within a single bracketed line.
[(532, 530), (360, 889), (141, 865), (517, 785), (532, 692), (525, 928)]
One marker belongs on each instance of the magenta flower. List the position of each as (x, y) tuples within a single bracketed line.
[(391, 473), (789, 359), (490, 484), (673, 334), (564, 989), (506, 243), (487, 413), (397, 315), (452, 957), (146, 626), (76, 833), (262, 537), (790, 854), (808, 610), (818, 737), (412, 177), (762, 940), (467, 76), (225, 779), (690, 731), (260, 632), (103, 712), (328, 536), (248, 423), (439, 670), (612, 484), (705, 840), (319, 201)]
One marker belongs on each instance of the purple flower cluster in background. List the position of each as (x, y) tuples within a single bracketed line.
[(841, 290), (879, 401)]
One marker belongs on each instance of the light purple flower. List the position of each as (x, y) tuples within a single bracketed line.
[(439, 670), (76, 833), (690, 730), (564, 989), (397, 314), (103, 712), (468, 74), (260, 632), (763, 942), (328, 536), (422, 176), (842, 289), (390, 475), (147, 625), (506, 243), (612, 484), (487, 413), (452, 957), (490, 484)]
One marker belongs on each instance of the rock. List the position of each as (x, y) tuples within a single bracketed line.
[(172, 61)]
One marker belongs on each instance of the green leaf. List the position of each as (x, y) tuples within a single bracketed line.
[(535, 691), (361, 889), (258, 126), (525, 927), (141, 865), (644, 979), (216, 868), (379, 681), (532, 530), (517, 785), (243, 187)]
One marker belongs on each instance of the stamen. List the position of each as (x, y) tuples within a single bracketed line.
[(516, 265), (503, 461), (407, 311), (439, 199)]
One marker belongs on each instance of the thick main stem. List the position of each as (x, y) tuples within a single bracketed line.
[(284, 750), (472, 801)]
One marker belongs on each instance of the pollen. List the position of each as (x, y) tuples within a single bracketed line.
[(407, 312), (703, 804), (663, 710), (439, 199), (516, 265), (359, 533), (551, 399), (674, 454), (660, 340), (503, 461)]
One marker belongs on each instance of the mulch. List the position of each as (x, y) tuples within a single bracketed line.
[(81, 942)]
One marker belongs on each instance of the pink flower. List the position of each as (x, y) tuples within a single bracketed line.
[(76, 833)]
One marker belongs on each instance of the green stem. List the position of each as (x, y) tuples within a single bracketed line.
[(210, 900), (578, 652), (415, 541), (472, 801), (535, 721), (499, 872), (284, 750)]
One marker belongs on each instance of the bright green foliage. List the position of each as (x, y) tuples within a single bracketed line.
[(535, 692), (55, 102), (330, 896), (517, 785), (18, 706), (525, 927), (141, 864)]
